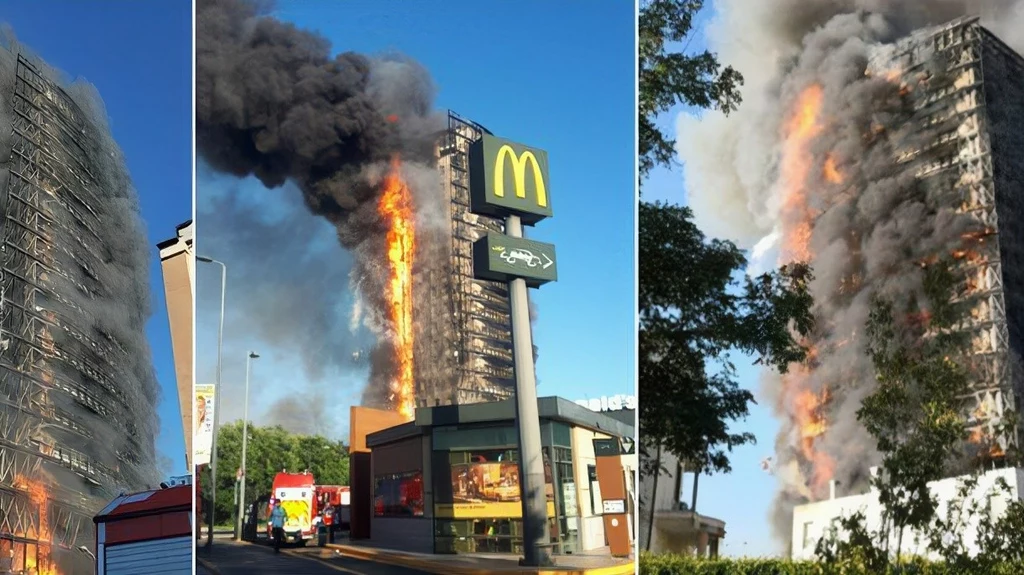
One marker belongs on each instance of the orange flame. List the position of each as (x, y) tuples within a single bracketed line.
[(796, 164), (979, 437), (812, 424), (832, 173), (969, 255), (978, 236), (39, 562), (396, 207)]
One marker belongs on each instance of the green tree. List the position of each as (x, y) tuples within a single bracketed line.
[(693, 312), (668, 78), (269, 451), (915, 415)]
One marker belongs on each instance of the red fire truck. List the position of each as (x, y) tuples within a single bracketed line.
[(307, 506), (297, 494), (333, 506)]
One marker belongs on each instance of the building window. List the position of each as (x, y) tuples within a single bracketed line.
[(398, 495), (807, 533), (483, 535)]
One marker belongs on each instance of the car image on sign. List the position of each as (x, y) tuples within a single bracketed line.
[(524, 256)]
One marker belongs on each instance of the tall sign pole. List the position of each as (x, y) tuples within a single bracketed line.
[(531, 461), (498, 191)]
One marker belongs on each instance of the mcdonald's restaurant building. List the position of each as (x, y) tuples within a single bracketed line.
[(448, 481)]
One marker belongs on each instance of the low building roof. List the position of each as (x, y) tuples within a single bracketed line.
[(551, 408), (151, 502)]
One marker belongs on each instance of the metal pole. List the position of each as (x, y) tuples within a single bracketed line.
[(245, 442), (536, 531), (216, 395)]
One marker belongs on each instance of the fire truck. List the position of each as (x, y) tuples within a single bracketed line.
[(307, 506), (297, 494), (333, 506)]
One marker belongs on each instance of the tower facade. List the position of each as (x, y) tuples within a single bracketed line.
[(974, 105), (463, 350), (77, 390)]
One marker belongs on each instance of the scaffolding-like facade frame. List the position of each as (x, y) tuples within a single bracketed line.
[(472, 331), (963, 154), (56, 467)]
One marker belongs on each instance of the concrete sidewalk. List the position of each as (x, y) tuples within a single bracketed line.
[(484, 564)]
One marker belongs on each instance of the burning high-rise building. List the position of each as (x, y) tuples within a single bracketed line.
[(964, 97), (463, 352), (77, 408), (953, 113), (874, 139), (363, 142)]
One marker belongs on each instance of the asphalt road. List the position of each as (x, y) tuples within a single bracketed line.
[(231, 558)]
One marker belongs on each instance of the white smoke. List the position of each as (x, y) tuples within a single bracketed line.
[(731, 167), (728, 161)]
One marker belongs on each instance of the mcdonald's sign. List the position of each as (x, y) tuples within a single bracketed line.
[(508, 178)]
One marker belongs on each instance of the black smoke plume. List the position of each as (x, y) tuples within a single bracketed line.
[(272, 102)]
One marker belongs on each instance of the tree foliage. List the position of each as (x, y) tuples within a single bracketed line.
[(668, 78), (270, 450), (692, 309), (693, 312), (917, 417)]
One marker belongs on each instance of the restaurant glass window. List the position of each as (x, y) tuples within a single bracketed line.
[(483, 535), (480, 508), (398, 495)]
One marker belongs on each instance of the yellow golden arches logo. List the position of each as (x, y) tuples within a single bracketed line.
[(519, 174)]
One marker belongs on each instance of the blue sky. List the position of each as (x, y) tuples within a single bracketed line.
[(138, 55), (742, 498), (558, 76)]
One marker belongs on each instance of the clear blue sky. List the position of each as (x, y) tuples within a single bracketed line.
[(138, 55), (555, 75), (742, 498)]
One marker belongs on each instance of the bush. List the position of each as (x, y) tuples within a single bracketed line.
[(683, 565)]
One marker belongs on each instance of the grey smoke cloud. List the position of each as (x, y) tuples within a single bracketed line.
[(104, 329), (726, 161), (871, 229)]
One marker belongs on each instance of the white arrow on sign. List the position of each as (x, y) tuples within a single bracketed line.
[(550, 261)]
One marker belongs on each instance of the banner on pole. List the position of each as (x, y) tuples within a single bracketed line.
[(202, 440)]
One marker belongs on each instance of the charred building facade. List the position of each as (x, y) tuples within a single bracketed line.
[(464, 347), (973, 108), (77, 408)]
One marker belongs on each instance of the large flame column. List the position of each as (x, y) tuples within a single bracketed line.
[(396, 207)]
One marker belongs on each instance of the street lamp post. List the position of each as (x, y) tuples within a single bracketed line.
[(85, 550), (245, 440), (216, 394)]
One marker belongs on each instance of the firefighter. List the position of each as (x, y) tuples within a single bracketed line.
[(277, 519)]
